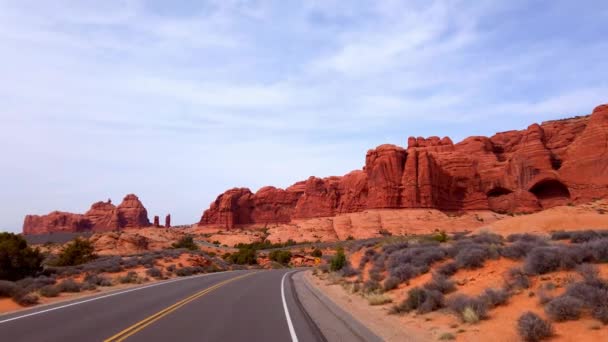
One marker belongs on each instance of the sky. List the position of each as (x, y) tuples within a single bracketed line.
[(177, 101)]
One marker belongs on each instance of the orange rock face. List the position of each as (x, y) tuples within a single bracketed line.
[(554, 163), (103, 216)]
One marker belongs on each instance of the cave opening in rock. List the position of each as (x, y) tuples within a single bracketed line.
[(550, 189), (498, 191)]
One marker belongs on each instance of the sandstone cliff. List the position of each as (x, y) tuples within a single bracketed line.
[(546, 165), (103, 216)]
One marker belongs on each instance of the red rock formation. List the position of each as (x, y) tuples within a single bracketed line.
[(132, 213), (156, 221), (545, 165), (56, 221), (168, 221), (103, 216)]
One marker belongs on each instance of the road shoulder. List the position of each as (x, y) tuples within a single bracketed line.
[(356, 313)]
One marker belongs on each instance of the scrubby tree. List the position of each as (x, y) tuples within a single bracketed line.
[(282, 257), (339, 260), (77, 252), (17, 259), (186, 242), (244, 256)]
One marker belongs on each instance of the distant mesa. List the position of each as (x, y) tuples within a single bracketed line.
[(103, 216), (554, 163)]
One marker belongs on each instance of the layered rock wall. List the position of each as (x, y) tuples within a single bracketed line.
[(546, 165)]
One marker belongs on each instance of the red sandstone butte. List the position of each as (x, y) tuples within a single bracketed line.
[(554, 163), (103, 216)]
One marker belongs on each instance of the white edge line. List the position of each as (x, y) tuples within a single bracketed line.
[(292, 331), (106, 296)]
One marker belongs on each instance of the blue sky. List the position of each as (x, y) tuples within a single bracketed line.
[(177, 101)]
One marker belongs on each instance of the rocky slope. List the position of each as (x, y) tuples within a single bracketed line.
[(103, 216), (554, 163)]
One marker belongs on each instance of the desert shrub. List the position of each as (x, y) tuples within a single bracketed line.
[(17, 259), (68, 285), (404, 272), (544, 297), (440, 283), (367, 256), (564, 308), (524, 237), (542, 260), (154, 272), (560, 235), (447, 337), (597, 249), (97, 280), (448, 269), (473, 257), (171, 268), (516, 279), (7, 288), (379, 263), (88, 286), (494, 297), (244, 256), (439, 237), (600, 312), (532, 328), (30, 284), (338, 261), (522, 245), (488, 239), (111, 264), (391, 248), (587, 235), (376, 275), (130, 262), (469, 309), (129, 278), (77, 252), (421, 300), (348, 271), (188, 271), (317, 253), (422, 255), (391, 283), (280, 256), (25, 298), (50, 291), (186, 242), (378, 299), (371, 286)]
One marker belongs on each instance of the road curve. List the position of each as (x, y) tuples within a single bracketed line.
[(228, 306)]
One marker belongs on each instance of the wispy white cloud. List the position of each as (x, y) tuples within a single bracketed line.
[(179, 101)]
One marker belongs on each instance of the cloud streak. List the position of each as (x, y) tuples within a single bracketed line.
[(177, 102)]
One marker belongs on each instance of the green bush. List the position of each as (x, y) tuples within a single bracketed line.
[(264, 245), (338, 261), (77, 252), (50, 291), (186, 242), (282, 257), (17, 259), (244, 256), (317, 253)]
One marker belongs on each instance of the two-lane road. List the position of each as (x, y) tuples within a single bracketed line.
[(229, 306)]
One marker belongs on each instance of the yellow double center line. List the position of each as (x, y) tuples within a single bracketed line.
[(123, 335)]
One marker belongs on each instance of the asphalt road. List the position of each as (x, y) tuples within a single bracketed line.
[(229, 306)]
